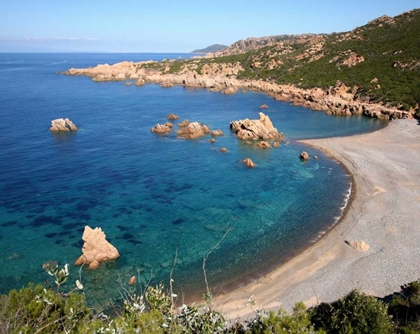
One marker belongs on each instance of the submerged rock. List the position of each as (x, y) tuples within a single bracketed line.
[(248, 162), (62, 124), (261, 128), (96, 248), (264, 144)]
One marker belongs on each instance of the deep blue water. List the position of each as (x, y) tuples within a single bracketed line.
[(153, 195)]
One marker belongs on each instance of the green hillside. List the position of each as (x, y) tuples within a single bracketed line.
[(381, 60)]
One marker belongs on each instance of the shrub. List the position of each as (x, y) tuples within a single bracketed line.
[(355, 313)]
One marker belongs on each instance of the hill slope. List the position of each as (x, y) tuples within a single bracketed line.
[(381, 60), (211, 48)]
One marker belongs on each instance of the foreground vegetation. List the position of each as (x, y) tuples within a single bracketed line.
[(35, 309)]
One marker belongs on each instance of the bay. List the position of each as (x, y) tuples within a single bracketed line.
[(154, 196)]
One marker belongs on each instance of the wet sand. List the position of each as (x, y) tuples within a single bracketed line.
[(385, 213)]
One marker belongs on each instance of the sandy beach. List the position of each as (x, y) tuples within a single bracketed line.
[(384, 213)]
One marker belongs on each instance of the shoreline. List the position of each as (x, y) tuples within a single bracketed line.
[(382, 212), (335, 100)]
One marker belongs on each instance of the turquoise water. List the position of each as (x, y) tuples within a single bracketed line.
[(154, 196)]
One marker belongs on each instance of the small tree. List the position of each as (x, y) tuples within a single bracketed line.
[(355, 313)]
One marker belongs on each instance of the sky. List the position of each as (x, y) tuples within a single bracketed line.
[(174, 25)]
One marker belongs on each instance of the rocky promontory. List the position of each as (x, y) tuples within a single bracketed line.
[(348, 73), (335, 100)]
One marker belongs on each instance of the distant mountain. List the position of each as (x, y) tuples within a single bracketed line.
[(211, 48)]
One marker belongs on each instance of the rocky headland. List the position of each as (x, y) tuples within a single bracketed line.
[(371, 70), (335, 100)]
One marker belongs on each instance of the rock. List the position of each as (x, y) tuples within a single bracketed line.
[(120, 77), (96, 248), (360, 246), (276, 144), (184, 123), (248, 162), (140, 82), (229, 90), (304, 156), (169, 124), (264, 106), (256, 129), (172, 117), (193, 130), (162, 129), (94, 264), (49, 264), (217, 132), (315, 157), (62, 124), (132, 280), (212, 140), (166, 84), (223, 149), (128, 83), (263, 144)]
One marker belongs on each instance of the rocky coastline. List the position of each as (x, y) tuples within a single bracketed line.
[(335, 100)]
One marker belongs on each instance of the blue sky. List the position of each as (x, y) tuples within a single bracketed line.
[(173, 25)]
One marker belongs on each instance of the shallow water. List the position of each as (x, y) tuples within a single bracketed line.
[(154, 196)]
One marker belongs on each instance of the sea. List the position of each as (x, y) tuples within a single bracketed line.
[(174, 208)]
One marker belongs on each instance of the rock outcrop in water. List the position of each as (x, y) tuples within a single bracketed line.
[(161, 128), (193, 130), (304, 156), (261, 128), (248, 162), (96, 248), (62, 124)]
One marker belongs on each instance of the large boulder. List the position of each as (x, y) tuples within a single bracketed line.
[(172, 117), (193, 130), (358, 245), (96, 248), (62, 124), (229, 90), (261, 128), (304, 156), (161, 128), (217, 132), (248, 162)]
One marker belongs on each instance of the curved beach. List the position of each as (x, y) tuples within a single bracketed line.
[(383, 213)]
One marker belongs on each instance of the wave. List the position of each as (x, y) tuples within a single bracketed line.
[(55, 63)]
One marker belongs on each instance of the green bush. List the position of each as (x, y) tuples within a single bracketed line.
[(355, 313), (35, 309)]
